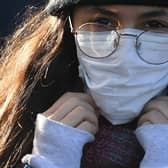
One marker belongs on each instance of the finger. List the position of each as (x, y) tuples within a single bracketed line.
[(66, 97), (156, 103), (78, 115), (87, 126), (68, 106), (159, 104), (153, 117), (162, 105), (146, 122)]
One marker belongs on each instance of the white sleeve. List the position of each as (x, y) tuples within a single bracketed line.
[(56, 145), (154, 140)]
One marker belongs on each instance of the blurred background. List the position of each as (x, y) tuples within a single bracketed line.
[(10, 10)]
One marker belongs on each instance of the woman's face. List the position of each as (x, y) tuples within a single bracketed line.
[(122, 69), (122, 16)]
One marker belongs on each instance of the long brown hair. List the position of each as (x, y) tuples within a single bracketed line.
[(23, 63)]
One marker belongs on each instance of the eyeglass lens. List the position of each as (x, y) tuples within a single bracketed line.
[(100, 41)]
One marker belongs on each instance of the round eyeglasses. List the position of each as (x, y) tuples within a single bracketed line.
[(100, 41)]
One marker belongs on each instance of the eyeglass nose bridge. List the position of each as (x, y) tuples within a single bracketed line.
[(128, 34), (117, 41)]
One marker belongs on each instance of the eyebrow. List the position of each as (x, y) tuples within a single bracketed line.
[(154, 13), (104, 11)]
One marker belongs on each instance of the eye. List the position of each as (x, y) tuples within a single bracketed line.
[(106, 22), (156, 25)]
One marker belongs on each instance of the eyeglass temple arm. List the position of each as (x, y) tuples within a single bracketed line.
[(71, 26)]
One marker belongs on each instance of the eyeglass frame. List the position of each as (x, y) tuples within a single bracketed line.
[(75, 32)]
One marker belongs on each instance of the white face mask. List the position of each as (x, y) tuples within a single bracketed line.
[(122, 83)]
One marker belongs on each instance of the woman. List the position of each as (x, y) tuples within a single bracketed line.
[(122, 53)]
